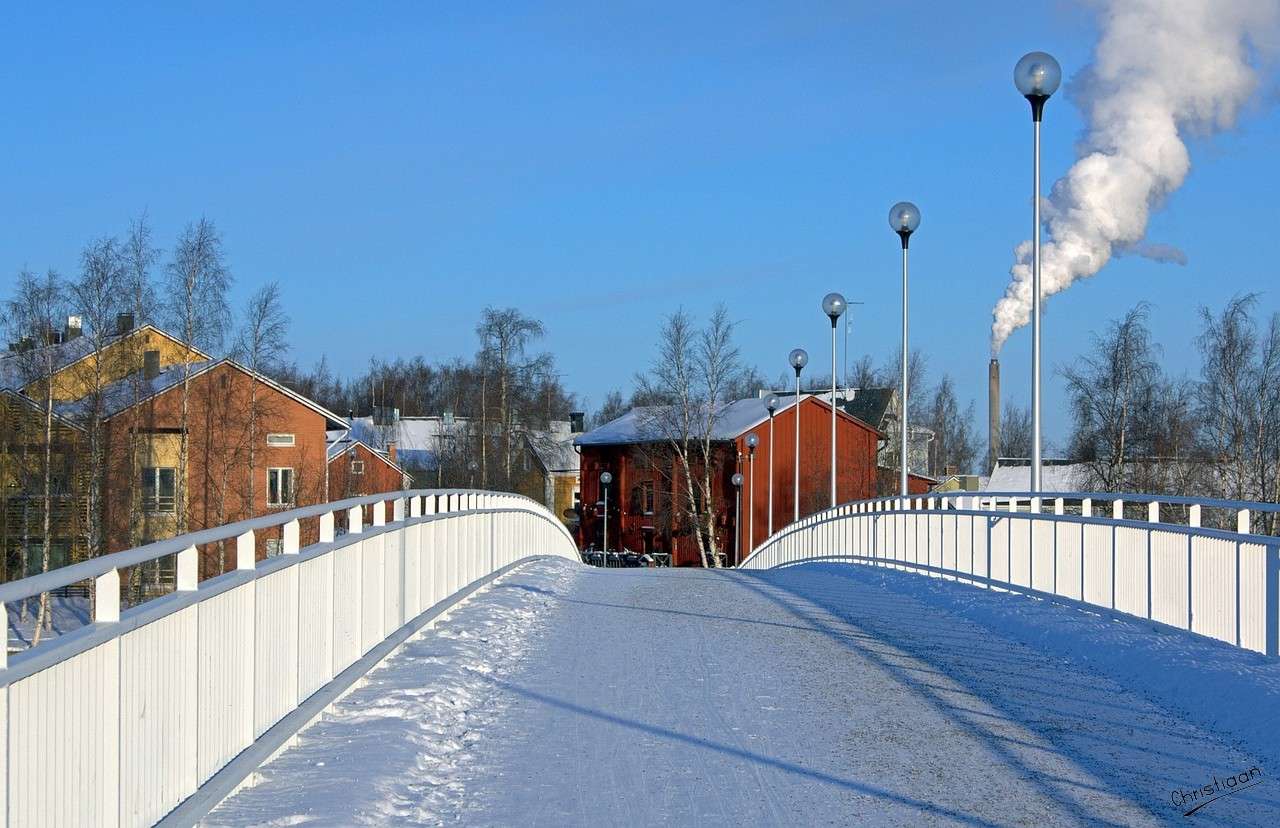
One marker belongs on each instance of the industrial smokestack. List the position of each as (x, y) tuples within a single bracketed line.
[(993, 414)]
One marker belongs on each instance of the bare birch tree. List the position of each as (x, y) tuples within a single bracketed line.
[(505, 335), (262, 343), (195, 303), (1239, 401), (35, 311), (690, 375), (1112, 391)]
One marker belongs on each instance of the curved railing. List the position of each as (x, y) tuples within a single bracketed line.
[(1222, 583), (119, 722)]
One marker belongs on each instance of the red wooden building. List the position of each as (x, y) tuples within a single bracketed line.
[(642, 515)]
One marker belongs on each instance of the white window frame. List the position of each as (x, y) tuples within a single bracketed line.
[(156, 505), (275, 471), (281, 440), (357, 467)]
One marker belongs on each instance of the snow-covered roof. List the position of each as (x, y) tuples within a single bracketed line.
[(555, 450), (1054, 477), (337, 448), (120, 395), (66, 354), (644, 423)]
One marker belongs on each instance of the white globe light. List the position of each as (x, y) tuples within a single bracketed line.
[(833, 305), (606, 478), (798, 358), (904, 217), (752, 440), (737, 479), (1037, 75), (771, 402)]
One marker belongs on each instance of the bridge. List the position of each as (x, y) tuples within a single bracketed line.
[(432, 656)]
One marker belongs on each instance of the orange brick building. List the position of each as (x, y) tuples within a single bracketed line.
[(645, 484)]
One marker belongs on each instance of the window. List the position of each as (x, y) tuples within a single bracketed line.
[(646, 496), (158, 488), (280, 487), (279, 439), (357, 467)]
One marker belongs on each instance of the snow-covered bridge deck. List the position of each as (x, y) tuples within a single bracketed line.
[(815, 694)]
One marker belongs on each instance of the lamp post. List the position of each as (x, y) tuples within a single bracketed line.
[(833, 305), (798, 359), (752, 442), (904, 218), (1037, 77), (737, 517), (605, 480), (771, 403)]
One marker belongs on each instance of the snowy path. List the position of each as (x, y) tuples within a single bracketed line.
[(815, 695)]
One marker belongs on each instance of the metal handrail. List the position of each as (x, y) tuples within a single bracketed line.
[(1243, 508), (96, 567)]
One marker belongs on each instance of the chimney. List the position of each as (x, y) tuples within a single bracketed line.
[(150, 364), (577, 422), (74, 328), (124, 323), (993, 414), (391, 450)]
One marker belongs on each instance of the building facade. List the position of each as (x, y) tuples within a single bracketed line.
[(645, 511)]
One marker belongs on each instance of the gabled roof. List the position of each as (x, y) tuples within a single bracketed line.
[(340, 447), (869, 405), (67, 354), (36, 407), (119, 396), (732, 420)]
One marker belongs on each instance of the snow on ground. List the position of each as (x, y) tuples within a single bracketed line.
[(819, 694), (66, 613)]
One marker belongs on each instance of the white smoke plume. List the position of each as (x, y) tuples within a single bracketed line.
[(1162, 69)]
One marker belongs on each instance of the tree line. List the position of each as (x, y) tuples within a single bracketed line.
[(1138, 428), (54, 454)]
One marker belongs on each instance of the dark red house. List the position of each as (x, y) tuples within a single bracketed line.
[(642, 513)]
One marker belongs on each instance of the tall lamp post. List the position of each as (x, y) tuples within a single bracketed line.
[(737, 518), (605, 480), (904, 218), (833, 305), (798, 359), (752, 442), (771, 403), (1037, 77)]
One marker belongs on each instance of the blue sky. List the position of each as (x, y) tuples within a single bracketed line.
[(399, 166)]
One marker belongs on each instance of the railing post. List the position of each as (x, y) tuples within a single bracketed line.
[(1086, 507), (397, 509), (106, 597), (326, 527), (1193, 515), (290, 538), (380, 513), (1117, 510), (1059, 506), (1153, 512), (1035, 505), (1272, 603), (1242, 521), (187, 566), (415, 507), (355, 520), (246, 557)]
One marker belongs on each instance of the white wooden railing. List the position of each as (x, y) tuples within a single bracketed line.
[(1219, 583), (119, 722)]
